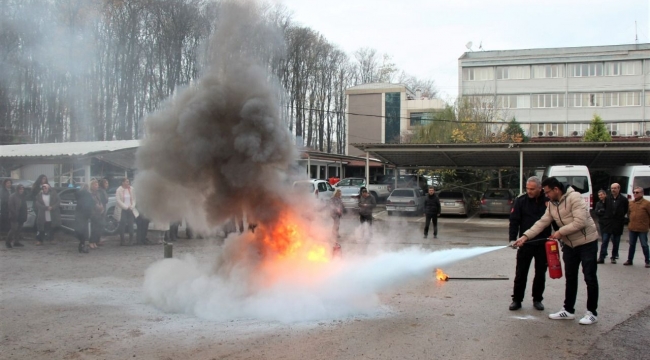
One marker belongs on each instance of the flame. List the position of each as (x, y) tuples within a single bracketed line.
[(440, 275), (288, 240)]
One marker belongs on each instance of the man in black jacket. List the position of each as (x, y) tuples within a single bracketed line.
[(527, 210), (432, 211), (613, 220)]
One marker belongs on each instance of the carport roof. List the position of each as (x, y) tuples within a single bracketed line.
[(505, 155)]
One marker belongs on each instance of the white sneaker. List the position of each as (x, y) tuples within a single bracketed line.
[(562, 315), (588, 319)]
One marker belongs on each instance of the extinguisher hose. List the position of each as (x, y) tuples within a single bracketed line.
[(529, 241)]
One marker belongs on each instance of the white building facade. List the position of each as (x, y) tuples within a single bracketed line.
[(555, 92)]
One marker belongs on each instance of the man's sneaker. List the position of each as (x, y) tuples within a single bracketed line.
[(538, 305), (562, 315), (600, 261), (628, 263), (18, 244), (588, 319), (515, 305), (613, 260), (425, 236), (435, 236)]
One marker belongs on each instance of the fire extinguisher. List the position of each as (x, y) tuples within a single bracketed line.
[(553, 259)]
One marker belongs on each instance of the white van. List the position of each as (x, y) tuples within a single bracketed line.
[(629, 177), (575, 175)]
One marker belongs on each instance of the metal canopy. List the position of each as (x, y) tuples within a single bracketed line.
[(508, 155)]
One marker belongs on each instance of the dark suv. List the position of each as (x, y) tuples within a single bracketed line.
[(497, 202)]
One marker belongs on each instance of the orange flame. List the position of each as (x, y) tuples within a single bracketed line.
[(288, 240), (440, 275)]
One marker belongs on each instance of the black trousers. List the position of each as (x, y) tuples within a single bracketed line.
[(126, 219), (431, 218), (585, 254), (47, 233), (525, 256), (143, 227), (96, 229), (365, 218)]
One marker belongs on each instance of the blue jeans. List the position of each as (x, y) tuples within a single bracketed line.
[(643, 236), (616, 240), (585, 254)]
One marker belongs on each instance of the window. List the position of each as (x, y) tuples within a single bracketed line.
[(623, 99), (482, 102), (548, 71), (513, 101), (618, 68), (587, 69), (513, 72), (585, 99), (546, 129), (478, 74), (421, 118), (547, 100)]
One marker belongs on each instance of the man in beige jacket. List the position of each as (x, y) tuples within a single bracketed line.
[(579, 236)]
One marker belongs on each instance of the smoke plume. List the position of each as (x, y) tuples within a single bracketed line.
[(218, 148)]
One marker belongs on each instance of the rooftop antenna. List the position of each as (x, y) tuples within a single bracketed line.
[(469, 46), (636, 34), (480, 46)]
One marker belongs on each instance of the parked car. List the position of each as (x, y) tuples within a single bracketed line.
[(320, 188), (453, 203), (69, 204), (379, 191), (406, 200), (497, 202), (404, 181), (350, 197)]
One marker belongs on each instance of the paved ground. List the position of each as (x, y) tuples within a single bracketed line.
[(58, 304)]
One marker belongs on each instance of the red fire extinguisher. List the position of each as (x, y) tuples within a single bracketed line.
[(553, 259)]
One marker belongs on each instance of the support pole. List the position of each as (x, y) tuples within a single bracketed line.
[(521, 171), (308, 167), (367, 169)]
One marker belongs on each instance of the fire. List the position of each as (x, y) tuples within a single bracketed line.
[(288, 240), (440, 275)]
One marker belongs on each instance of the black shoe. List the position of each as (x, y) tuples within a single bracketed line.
[(8, 244), (600, 261), (435, 236), (425, 236), (538, 305), (613, 260), (515, 305), (18, 244), (628, 263)]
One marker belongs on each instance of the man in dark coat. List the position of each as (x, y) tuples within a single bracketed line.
[(616, 206), (5, 193), (527, 210), (17, 206), (431, 211), (83, 212)]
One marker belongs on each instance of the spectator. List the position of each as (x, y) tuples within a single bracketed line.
[(36, 189), (83, 212), (97, 216), (639, 225), (142, 223), (17, 216), (103, 195), (579, 238), (526, 211), (600, 210), (48, 218), (336, 211), (5, 224), (367, 202), (616, 207), (125, 211), (432, 211)]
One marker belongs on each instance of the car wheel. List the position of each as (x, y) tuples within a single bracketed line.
[(390, 213), (110, 224)]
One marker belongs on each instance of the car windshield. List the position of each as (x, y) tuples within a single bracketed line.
[(402, 193), (497, 194), (450, 195)]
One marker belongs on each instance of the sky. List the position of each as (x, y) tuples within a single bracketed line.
[(425, 38)]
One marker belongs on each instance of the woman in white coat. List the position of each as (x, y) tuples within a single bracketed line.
[(125, 211)]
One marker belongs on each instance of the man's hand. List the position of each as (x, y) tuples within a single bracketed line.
[(520, 241)]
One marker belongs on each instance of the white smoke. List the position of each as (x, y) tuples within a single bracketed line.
[(339, 289)]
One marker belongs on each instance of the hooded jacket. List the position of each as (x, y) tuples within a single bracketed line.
[(17, 208), (572, 216)]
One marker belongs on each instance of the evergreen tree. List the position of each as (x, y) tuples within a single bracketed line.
[(597, 131)]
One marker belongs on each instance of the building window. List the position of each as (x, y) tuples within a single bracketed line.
[(586, 70), (547, 100), (623, 99), (478, 74), (548, 71), (546, 130), (577, 129), (618, 68), (481, 102), (392, 107), (585, 99), (421, 118), (513, 72), (513, 101)]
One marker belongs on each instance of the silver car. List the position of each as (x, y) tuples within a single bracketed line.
[(350, 197), (408, 200), (453, 203)]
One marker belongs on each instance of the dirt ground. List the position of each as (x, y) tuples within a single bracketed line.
[(58, 304)]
